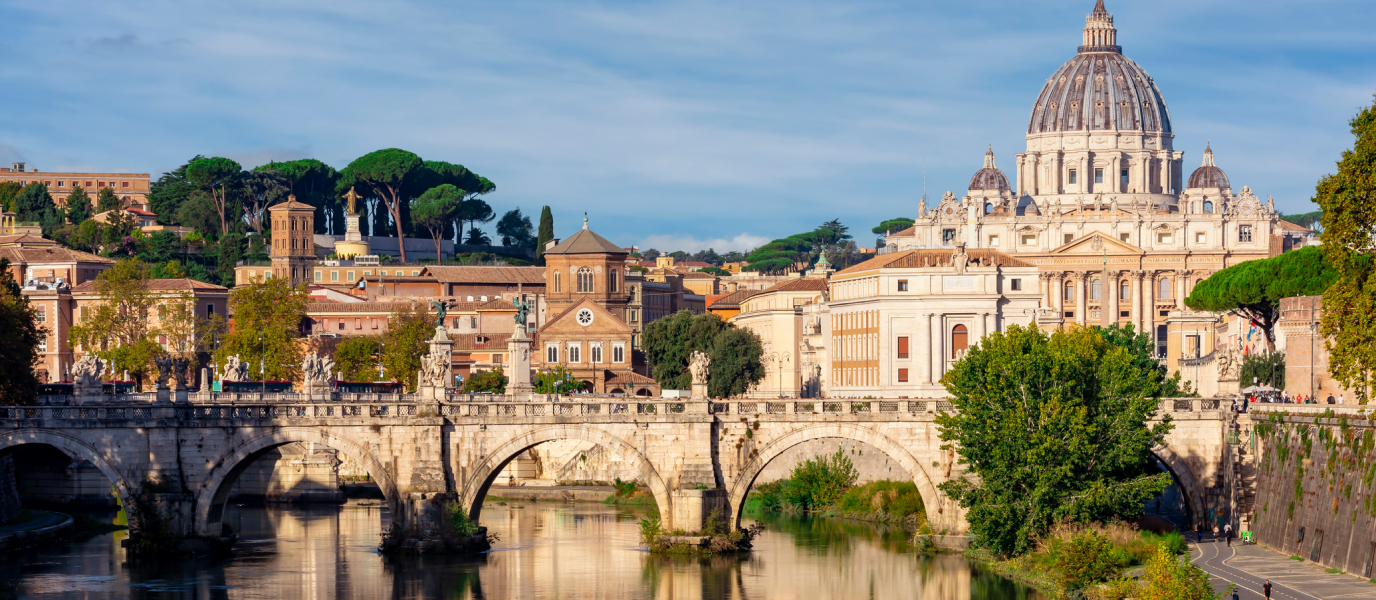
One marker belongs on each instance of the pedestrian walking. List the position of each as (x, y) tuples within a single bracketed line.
[(1330, 398), (1199, 533), (1215, 538), (1235, 596), (1266, 589), (1340, 398)]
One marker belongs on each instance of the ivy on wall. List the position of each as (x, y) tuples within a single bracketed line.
[(1349, 458)]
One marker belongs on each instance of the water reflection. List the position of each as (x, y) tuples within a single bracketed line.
[(546, 550)]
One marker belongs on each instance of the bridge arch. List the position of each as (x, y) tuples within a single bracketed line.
[(942, 513), (1184, 477), (74, 448), (476, 485), (214, 490)]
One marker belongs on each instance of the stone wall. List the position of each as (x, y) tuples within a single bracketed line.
[(9, 493), (1315, 490), (300, 472)]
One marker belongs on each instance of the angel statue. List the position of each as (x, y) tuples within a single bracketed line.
[(522, 311), (441, 310)]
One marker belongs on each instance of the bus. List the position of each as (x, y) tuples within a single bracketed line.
[(249, 387), (68, 388), (367, 387)]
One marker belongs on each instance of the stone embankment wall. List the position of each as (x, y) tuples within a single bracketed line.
[(9, 492), (1315, 496)]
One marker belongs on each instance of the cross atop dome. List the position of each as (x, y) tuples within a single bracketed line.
[(1100, 35)]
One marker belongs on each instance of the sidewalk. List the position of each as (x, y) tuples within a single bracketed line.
[(1249, 566)]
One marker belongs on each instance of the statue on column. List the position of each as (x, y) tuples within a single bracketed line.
[(235, 369), (697, 366), (164, 365)]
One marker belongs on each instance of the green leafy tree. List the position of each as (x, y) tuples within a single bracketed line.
[(386, 172), (229, 251), (314, 183), (718, 271), (267, 324), (357, 357), (9, 194), (219, 177), (516, 230), (116, 327), (835, 226), (1170, 577), (791, 254), (262, 189), (199, 213), (1142, 350), (477, 237), (78, 206), (474, 211), (19, 338), (435, 209), (166, 195), (892, 225), (492, 382), (545, 235), (408, 331), (1348, 201), (735, 352), (107, 200), (820, 482), (1253, 289), (1309, 219), (556, 380), (1264, 368), (1052, 428), (35, 205)]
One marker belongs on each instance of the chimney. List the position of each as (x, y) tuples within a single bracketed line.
[(552, 243)]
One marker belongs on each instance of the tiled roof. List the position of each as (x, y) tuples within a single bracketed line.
[(1288, 226), (909, 232), (349, 307), (909, 259), (291, 204), (732, 300), (698, 275), (26, 238), (692, 263), (586, 242), (476, 274), (802, 284), (470, 341), (628, 378), (497, 305), (159, 285), (49, 254)]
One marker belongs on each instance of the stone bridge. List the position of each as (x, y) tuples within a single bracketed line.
[(695, 456)]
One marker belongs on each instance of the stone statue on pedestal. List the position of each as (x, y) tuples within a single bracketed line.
[(164, 364), (86, 375), (698, 363), (316, 371), (235, 370)]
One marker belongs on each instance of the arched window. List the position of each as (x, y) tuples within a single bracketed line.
[(1124, 291), (1163, 289), (556, 282), (988, 208), (584, 280), (1208, 207), (960, 340), (1096, 289), (1069, 291), (611, 280)]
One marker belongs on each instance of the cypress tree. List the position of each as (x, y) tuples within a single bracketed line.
[(107, 200), (546, 234)]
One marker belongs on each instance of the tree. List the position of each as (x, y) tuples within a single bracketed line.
[(1253, 289), (19, 338), (1141, 349), (78, 206), (556, 380), (718, 271), (230, 250), (166, 195), (356, 357), (117, 327), (199, 213), (9, 193), (107, 200), (1264, 368), (791, 254), (386, 172), (516, 230), (836, 227), (408, 330), (891, 225), (1348, 201), (434, 210), (477, 237), (35, 205), (188, 334), (262, 189), (490, 382), (546, 234), (1169, 577), (735, 352), (314, 183), (474, 211), (1052, 428), (267, 322), (211, 173), (1309, 219)]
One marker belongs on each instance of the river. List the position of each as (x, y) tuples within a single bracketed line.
[(546, 550)]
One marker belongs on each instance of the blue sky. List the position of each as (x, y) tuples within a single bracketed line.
[(673, 124)]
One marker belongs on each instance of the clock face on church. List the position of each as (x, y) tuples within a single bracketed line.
[(584, 316)]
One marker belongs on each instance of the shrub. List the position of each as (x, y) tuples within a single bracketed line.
[(821, 481), (456, 523), (894, 498), (1088, 558), (623, 488)]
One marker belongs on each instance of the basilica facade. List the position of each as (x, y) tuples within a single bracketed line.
[(1100, 204)]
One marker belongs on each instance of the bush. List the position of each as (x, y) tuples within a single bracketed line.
[(896, 499), (821, 481), (1088, 558), (493, 381), (623, 488), (456, 522)]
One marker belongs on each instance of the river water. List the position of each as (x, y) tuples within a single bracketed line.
[(546, 550)]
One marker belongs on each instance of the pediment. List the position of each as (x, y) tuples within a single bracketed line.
[(1098, 243), (603, 321)]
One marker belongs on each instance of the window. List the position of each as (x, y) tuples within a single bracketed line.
[(1098, 176), (1123, 176), (1095, 289), (43, 345), (472, 322), (124, 184), (1073, 178), (42, 315), (1199, 238), (374, 323), (595, 349), (319, 276), (902, 376), (552, 353), (358, 323), (902, 346), (1164, 238), (1244, 233), (341, 324), (1208, 207), (556, 282), (575, 352), (1125, 237), (334, 275), (351, 276), (413, 273), (1163, 289), (1015, 285), (1069, 291), (902, 285), (993, 241), (1069, 237), (61, 184), (1029, 240), (1124, 291), (988, 208), (209, 310), (633, 316), (611, 281), (618, 353), (960, 340), (947, 235)]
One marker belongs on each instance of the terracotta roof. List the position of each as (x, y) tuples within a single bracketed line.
[(476, 274), (909, 232), (698, 275), (291, 204), (1288, 226), (909, 259), (802, 284), (732, 300), (350, 307), (158, 285), (26, 238), (586, 242), (692, 263), (49, 254), (497, 304), (629, 377), (469, 341)]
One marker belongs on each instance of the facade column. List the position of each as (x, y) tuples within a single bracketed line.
[(1081, 298), (924, 347), (991, 323), (1111, 281), (1058, 281), (938, 346), (1137, 300), (1149, 309), (1182, 282), (978, 328)]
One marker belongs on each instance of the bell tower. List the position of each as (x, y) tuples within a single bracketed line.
[(293, 241)]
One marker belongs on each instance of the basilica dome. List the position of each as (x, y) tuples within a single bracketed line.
[(1099, 89), (989, 178), (1208, 175)]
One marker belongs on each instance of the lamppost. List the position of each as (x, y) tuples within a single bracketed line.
[(262, 363), (779, 359)]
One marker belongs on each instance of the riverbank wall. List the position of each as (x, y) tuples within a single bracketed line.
[(1315, 496)]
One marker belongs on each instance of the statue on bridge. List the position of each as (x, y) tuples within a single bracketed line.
[(164, 364), (697, 366), (522, 312), (441, 310), (316, 371), (434, 370), (180, 372), (235, 369), (86, 373)]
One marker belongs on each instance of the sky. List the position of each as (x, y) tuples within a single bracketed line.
[(671, 124)]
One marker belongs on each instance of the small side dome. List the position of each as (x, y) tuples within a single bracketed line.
[(1208, 175), (990, 178)]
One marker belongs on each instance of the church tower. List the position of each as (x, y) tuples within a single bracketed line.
[(293, 241), (586, 265)]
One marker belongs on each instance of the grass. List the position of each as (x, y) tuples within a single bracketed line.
[(1296, 558), (1073, 555), (627, 494), (896, 499), (1339, 571)]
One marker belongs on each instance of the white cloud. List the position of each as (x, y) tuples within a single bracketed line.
[(670, 243)]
